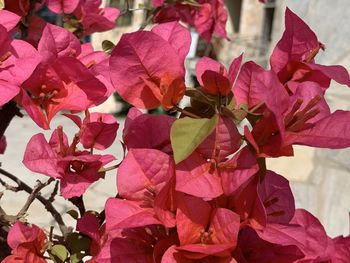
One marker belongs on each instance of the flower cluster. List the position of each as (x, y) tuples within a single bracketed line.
[(208, 17), (196, 190), (76, 169)]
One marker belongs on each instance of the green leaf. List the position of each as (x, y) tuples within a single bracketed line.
[(70, 27), (77, 243), (187, 133), (73, 213), (244, 107), (76, 257), (231, 106), (107, 46), (58, 253), (239, 115)]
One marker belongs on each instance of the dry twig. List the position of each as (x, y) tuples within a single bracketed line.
[(47, 204)]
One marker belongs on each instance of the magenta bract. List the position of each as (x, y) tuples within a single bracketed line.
[(76, 170), (147, 71)]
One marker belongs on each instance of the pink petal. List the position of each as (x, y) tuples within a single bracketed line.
[(243, 89), (214, 83), (8, 19), (316, 238), (89, 225), (234, 68), (329, 132), (270, 91), (156, 126), (75, 185), (248, 205), (21, 64), (8, 92), (88, 55), (26, 239), (199, 251), (57, 42), (206, 63), (138, 63), (211, 18), (147, 169), (55, 141), (342, 249), (62, 6), (99, 134), (165, 204), (192, 218), (177, 35), (73, 72), (285, 235), (172, 255), (101, 21), (75, 118), (127, 214), (337, 73), (306, 91), (40, 158), (225, 225), (157, 3), (297, 41), (194, 176), (125, 250), (253, 249), (275, 193), (237, 171), (225, 138)]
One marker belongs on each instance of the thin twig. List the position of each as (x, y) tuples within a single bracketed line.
[(48, 205), (33, 195), (9, 187), (5, 219), (54, 193), (189, 114)]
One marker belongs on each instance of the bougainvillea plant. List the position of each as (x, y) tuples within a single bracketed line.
[(191, 188)]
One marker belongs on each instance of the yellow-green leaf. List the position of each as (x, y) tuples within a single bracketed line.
[(77, 257), (58, 253), (2, 4), (187, 133), (107, 46)]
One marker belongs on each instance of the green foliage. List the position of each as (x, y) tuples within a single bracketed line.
[(79, 247), (107, 46), (73, 213), (59, 253), (187, 133)]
